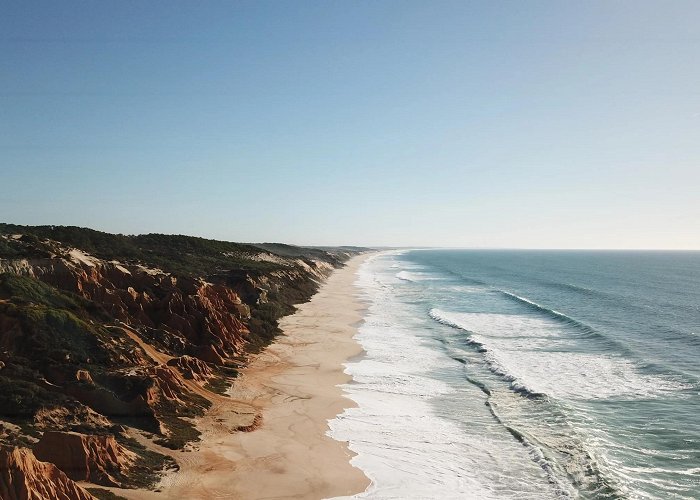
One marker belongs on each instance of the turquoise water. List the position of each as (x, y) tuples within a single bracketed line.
[(528, 374)]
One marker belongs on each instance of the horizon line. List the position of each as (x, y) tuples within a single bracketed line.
[(388, 247)]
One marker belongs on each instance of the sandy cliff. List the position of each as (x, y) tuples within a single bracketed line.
[(107, 354), (23, 477), (97, 459)]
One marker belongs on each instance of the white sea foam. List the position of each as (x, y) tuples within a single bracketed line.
[(523, 349), (498, 325), (404, 447), (404, 275)]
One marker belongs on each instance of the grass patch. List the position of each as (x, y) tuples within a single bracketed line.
[(148, 468), (218, 385), (55, 334), (181, 433), (26, 290), (21, 399)]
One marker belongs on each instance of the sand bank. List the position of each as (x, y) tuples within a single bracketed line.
[(294, 384)]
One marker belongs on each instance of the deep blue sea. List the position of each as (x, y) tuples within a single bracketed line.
[(528, 375)]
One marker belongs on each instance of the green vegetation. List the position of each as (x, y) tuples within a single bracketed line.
[(181, 430), (28, 246), (55, 335), (218, 385), (263, 324), (28, 290), (178, 254), (181, 433), (264, 317), (21, 399), (12, 250), (145, 472), (331, 255)]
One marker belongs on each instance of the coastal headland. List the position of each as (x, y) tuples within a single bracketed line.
[(162, 366)]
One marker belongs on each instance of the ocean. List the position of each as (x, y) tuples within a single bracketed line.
[(528, 375)]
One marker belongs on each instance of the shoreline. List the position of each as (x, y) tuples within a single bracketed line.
[(295, 383)]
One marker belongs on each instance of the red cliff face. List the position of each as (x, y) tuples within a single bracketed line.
[(23, 477), (186, 311), (98, 459), (131, 345)]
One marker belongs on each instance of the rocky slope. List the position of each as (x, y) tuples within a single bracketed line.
[(23, 477), (97, 459), (102, 335)]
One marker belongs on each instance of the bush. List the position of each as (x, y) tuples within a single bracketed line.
[(22, 399)]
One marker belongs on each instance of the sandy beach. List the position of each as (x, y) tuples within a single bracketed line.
[(293, 384)]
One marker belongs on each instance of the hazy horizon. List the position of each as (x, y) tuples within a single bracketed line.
[(538, 125)]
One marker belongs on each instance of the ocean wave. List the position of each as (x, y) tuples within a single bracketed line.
[(581, 328), (448, 318), (578, 376), (449, 272), (404, 275), (555, 445), (537, 455), (479, 384), (443, 318), (520, 350), (512, 326), (550, 312), (574, 288), (415, 276)]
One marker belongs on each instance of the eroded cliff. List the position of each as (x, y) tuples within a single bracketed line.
[(102, 334), (23, 477)]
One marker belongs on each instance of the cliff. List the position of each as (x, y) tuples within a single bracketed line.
[(97, 459), (104, 334), (23, 477)]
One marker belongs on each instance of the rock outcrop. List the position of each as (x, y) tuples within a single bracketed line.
[(192, 368), (78, 417), (97, 459), (194, 311), (83, 376), (23, 477)]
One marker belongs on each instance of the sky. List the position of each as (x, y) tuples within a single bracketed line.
[(497, 124)]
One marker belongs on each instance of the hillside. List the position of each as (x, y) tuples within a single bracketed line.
[(114, 343)]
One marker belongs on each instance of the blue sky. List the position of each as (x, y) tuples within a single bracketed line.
[(535, 124)]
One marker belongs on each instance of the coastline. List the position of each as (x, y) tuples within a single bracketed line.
[(294, 383)]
